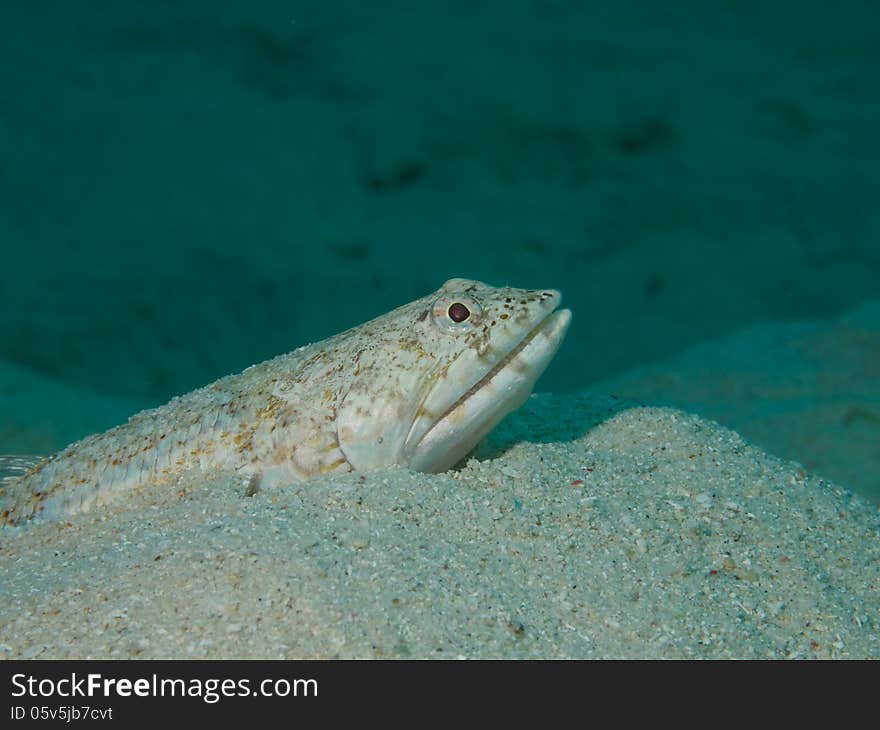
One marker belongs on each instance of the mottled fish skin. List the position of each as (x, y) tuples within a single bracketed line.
[(419, 387)]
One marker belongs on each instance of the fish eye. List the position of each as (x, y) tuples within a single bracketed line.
[(458, 312)]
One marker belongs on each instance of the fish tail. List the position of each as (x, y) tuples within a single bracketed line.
[(14, 466)]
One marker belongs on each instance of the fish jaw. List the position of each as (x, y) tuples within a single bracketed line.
[(503, 389)]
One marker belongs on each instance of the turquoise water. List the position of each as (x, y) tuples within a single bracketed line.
[(192, 187)]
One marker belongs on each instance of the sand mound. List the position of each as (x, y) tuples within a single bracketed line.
[(613, 531)]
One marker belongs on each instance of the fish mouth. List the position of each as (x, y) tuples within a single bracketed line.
[(502, 388), (539, 328)]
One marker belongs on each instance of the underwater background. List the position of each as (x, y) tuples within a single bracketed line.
[(187, 188)]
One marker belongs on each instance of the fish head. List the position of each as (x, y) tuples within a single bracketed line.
[(432, 378)]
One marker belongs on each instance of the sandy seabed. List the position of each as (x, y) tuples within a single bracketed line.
[(585, 528)]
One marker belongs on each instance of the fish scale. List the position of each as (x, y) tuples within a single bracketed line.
[(418, 386)]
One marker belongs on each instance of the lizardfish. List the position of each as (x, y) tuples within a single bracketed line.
[(418, 387)]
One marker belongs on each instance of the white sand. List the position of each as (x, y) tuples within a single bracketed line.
[(808, 391), (644, 533)]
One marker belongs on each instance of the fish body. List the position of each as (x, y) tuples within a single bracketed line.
[(418, 386)]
